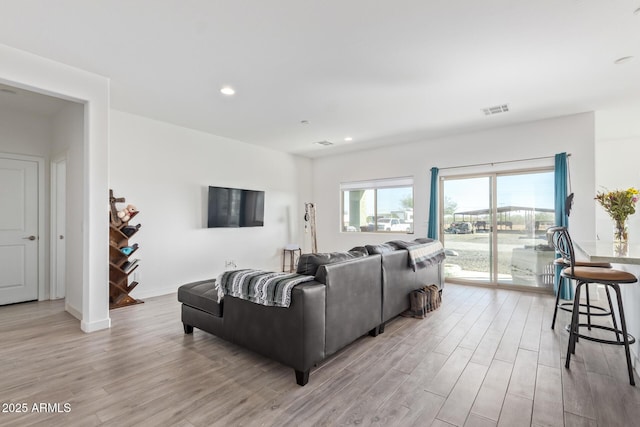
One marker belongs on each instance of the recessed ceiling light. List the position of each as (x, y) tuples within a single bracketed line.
[(623, 60), (348, 139), (325, 143), (227, 90)]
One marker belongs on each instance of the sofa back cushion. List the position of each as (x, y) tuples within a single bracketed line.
[(381, 248), (308, 263)]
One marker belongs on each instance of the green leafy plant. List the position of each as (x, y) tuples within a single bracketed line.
[(619, 204)]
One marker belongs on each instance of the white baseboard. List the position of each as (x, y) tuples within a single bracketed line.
[(73, 311), (142, 293), (95, 326), (87, 326)]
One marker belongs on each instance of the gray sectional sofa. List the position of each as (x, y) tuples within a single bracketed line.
[(353, 294)]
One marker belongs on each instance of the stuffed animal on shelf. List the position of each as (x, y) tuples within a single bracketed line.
[(124, 215)]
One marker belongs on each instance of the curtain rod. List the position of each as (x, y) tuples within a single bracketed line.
[(501, 162)]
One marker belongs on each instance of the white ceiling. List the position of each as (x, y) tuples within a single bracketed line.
[(382, 72)]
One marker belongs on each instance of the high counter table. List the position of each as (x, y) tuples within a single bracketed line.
[(603, 251)]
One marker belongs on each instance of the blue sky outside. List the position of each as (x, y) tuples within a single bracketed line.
[(527, 190), (389, 199)]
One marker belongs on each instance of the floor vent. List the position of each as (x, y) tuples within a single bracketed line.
[(490, 111)]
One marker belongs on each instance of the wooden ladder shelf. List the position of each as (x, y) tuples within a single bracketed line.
[(121, 266)]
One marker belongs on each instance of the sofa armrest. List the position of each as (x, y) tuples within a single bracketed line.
[(354, 300), (293, 336)]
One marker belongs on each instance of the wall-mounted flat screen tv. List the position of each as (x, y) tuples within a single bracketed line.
[(234, 207)]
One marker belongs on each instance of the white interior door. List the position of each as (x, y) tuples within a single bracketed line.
[(18, 230)]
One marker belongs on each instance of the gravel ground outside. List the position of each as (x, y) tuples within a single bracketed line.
[(522, 257)]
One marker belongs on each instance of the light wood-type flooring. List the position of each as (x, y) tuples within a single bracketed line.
[(487, 357)]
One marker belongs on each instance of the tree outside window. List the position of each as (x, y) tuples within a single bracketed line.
[(381, 206)]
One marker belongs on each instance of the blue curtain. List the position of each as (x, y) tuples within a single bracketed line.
[(432, 230), (562, 219)]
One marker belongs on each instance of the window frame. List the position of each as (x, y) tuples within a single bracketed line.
[(375, 185)]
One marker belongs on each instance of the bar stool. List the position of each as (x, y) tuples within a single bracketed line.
[(553, 237), (608, 277), (291, 250)]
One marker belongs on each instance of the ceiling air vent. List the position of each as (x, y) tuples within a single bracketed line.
[(497, 109), (325, 143)]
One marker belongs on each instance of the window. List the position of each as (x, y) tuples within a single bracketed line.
[(378, 206)]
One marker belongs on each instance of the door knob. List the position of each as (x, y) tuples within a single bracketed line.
[(30, 238)]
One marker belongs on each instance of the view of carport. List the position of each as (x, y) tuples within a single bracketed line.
[(480, 218)]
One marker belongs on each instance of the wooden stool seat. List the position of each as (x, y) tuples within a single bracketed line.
[(598, 275)]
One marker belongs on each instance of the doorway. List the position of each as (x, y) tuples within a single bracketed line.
[(494, 228), (38, 85)]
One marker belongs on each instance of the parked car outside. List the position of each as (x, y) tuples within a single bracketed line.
[(460, 228), (393, 224)]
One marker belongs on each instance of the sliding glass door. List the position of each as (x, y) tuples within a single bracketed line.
[(493, 228), (467, 219)]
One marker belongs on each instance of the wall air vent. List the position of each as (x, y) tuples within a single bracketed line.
[(325, 143), (497, 109)]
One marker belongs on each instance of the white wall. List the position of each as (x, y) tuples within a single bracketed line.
[(24, 133), (617, 169), (165, 171), (68, 139), (573, 134), (617, 154)]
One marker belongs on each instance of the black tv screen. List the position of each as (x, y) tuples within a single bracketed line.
[(234, 207)]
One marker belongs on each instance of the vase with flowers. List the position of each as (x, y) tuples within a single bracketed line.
[(619, 204)]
